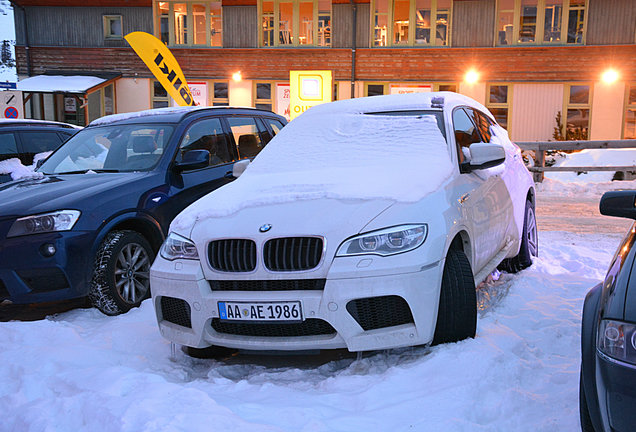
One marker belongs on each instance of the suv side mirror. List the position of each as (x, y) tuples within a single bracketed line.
[(193, 159), (484, 155), (619, 203), (240, 167)]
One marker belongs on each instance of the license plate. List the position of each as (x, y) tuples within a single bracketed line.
[(261, 311)]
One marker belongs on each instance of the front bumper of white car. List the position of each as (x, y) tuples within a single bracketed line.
[(367, 303)]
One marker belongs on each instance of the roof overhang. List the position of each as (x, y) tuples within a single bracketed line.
[(80, 84)]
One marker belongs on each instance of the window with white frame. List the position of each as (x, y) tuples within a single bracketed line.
[(540, 22), (411, 22), (113, 27), (499, 102), (295, 23), (197, 23)]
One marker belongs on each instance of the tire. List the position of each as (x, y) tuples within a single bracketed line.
[(457, 313), (584, 412), (529, 244), (121, 274)]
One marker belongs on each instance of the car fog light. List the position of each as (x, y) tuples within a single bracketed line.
[(48, 250)]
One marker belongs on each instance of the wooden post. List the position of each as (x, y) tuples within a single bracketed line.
[(540, 162)]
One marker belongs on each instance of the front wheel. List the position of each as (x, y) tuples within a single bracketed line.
[(121, 275), (457, 312), (529, 244)]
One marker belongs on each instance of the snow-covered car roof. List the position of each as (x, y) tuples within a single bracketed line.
[(27, 122), (175, 111)]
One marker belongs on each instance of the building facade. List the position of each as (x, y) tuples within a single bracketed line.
[(532, 62)]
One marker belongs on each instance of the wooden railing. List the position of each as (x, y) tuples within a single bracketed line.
[(540, 147)]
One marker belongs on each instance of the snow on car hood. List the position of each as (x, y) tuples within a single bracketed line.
[(335, 151)]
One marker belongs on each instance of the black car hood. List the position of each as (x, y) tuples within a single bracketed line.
[(58, 192)]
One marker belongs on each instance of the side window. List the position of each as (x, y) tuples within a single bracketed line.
[(483, 124), (246, 136), (465, 133), (207, 135), (8, 147), (275, 125), (39, 142)]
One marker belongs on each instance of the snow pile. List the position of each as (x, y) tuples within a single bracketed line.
[(17, 171), (55, 83), (593, 157), (551, 187), (84, 371), (337, 153)]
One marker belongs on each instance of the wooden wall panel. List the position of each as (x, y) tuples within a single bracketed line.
[(611, 22), (534, 109), (97, 3), (342, 28), (526, 64), (78, 26), (240, 26), (473, 23)]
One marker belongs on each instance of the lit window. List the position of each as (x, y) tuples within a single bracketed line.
[(499, 102), (431, 19), (295, 23), (577, 108), (113, 27), (629, 131), (186, 23), (540, 21)]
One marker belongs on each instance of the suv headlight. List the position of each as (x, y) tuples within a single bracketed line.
[(388, 241), (176, 247), (617, 339), (61, 220)]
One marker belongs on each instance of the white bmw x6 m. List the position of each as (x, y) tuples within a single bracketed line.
[(364, 224)]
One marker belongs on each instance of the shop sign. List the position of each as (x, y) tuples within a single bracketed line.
[(282, 100), (199, 91), (408, 88), (70, 105), (11, 105), (307, 89)]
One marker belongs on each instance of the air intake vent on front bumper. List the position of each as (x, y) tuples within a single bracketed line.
[(268, 285), (380, 312), (292, 253), (176, 311), (309, 327), (44, 279), (4, 292), (232, 255)]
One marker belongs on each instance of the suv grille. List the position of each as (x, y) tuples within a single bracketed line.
[(269, 285), (176, 311), (292, 253), (309, 327), (380, 312), (233, 255)]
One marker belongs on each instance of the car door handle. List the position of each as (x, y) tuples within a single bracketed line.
[(463, 198)]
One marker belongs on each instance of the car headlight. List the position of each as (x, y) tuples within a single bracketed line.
[(617, 339), (61, 220), (384, 242), (176, 247)]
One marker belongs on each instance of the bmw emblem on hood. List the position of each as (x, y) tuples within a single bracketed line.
[(265, 228)]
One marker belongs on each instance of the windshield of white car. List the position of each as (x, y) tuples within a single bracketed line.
[(439, 116), (113, 148)]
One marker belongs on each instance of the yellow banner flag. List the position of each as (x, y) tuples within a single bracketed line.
[(162, 64)]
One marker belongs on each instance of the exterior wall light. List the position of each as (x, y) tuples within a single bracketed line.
[(471, 77), (237, 77), (610, 76)]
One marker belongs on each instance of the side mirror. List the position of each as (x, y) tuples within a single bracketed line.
[(619, 203), (193, 159), (240, 167), (484, 155)]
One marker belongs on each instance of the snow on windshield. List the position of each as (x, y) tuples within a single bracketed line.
[(327, 153)]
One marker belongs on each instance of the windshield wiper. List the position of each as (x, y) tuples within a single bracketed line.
[(87, 170)]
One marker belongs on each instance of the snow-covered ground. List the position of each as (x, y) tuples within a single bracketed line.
[(84, 371)]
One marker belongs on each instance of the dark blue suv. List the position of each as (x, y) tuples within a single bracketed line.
[(93, 224)]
